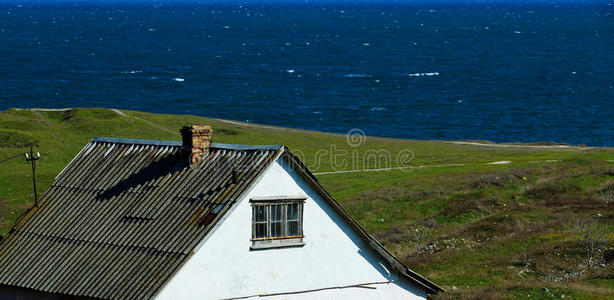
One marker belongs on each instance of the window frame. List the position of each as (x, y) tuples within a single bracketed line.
[(284, 239)]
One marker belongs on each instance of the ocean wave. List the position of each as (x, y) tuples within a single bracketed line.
[(423, 74), (356, 75), (132, 72), (378, 108), (178, 79)]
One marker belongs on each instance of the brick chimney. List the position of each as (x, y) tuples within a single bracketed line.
[(196, 142)]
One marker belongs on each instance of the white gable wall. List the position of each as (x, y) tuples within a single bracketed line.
[(333, 255)]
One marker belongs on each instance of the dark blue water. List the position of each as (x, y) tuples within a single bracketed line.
[(500, 72)]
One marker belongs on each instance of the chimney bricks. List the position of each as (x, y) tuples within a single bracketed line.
[(196, 142)]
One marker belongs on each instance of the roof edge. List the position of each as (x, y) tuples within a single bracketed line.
[(135, 141), (179, 144)]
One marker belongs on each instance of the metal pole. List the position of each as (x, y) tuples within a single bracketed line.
[(33, 159)]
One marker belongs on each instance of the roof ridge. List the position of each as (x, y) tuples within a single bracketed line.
[(135, 141), (179, 144)]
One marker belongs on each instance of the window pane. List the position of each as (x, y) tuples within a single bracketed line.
[(293, 228), (260, 230), (276, 229), (260, 221), (293, 212), (276, 213), (260, 213)]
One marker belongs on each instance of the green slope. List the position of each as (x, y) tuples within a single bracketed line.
[(483, 230)]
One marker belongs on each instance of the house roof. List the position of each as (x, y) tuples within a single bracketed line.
[(125, 215)]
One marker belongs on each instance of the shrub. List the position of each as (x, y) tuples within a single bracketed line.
[(593, 237), (429, 223), (607, 193), (419, 236)]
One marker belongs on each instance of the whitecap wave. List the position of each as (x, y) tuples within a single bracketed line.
[(177, 79), (423, 74), (356, 75)]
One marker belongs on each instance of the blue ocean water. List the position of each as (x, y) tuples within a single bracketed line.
[(505, 72)]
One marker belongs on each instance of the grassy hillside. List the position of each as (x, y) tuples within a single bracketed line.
[(482, 220)]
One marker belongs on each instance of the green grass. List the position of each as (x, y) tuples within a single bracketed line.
[(494, 230)]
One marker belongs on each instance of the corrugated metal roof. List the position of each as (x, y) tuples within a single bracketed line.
[(124, 216)]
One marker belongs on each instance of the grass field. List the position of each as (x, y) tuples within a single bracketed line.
[(482, 220)]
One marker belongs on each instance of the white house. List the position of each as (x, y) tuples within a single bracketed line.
[(141, 219)]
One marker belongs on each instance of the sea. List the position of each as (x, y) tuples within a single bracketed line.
[(503, 71)]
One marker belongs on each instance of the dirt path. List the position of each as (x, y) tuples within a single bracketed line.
[(46, 109), (523, 146), (117, 111), (422, 167), (121, 113)]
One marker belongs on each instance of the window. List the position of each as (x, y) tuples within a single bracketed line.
[(277, 222)]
